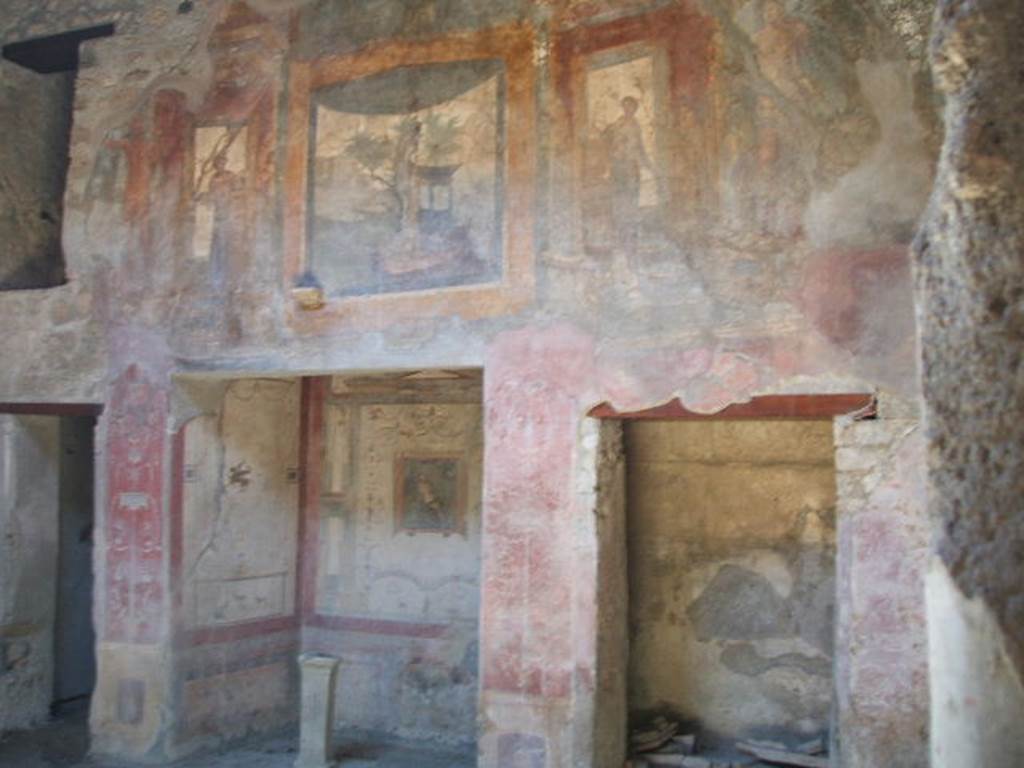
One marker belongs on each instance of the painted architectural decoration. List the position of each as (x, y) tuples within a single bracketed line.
[(135, 548), (400, 496)]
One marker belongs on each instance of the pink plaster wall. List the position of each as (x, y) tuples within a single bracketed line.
[(883, 546)]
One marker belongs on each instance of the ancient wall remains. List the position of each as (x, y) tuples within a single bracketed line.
[(621, 200)]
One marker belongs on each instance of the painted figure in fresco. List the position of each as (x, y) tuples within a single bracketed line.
[(121, 171), (429, 495), (222, 194), (426, 510), (627, 159), (405, 173), (780, 45), (106, 172)]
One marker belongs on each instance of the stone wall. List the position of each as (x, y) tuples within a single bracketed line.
[(602, 450), (970, 283), (29, 470), (731, 526), (34, 159)]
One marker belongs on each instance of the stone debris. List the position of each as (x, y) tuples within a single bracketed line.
[(782, 756), (657, 736), (686, 744), (812, 747), (660, 746)]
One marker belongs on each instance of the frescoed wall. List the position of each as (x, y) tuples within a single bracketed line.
[(622, 201), (240, 507), (397, 589), (235, 558)]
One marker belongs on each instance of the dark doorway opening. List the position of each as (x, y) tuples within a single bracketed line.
[(47, 640), (74, 674)]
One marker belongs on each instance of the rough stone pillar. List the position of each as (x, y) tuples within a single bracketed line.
[(970, 304), (317, 710), (600, 477)]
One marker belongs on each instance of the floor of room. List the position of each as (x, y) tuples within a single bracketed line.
[(64, 742)]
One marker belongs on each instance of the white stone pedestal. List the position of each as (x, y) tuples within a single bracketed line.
[(317, 710)]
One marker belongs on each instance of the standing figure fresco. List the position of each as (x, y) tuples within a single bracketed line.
[(408, 169), (628, 160), (623, 191), (218, 198), (779, 46)]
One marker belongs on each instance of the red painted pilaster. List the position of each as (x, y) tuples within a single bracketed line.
[(134, 589)]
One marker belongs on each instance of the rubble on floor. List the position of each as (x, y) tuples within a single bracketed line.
[(661, 744)]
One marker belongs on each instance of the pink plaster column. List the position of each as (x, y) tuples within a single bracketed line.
[(537, 643), (136, 437), (881, 663), (128, 717)]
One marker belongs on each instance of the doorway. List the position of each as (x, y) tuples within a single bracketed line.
[(717, 542), (74, 674), (731, 550), (47, 641)]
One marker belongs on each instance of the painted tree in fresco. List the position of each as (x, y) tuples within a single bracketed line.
[(391, 160)]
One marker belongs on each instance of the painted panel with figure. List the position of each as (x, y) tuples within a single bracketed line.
[(624, 162), (407, 178), (428, 494), (218, 195)]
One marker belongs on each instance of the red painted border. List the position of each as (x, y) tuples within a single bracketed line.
[(314, 392), (793, 407), (177, 527), (377, 626), (52, 409), (241, 631)]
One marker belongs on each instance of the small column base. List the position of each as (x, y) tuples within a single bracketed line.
[(316, 717)]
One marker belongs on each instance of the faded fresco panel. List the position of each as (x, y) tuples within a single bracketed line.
[(428, 494), (240, 506), (407, 172), (623, 185), (400, 539)]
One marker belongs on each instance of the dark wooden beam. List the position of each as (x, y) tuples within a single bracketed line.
[(53, 53)]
